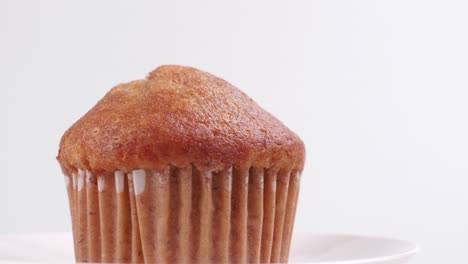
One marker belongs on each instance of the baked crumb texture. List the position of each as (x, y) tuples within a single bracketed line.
[(178, 116)]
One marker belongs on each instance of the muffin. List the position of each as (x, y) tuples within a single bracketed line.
[(181, 167)]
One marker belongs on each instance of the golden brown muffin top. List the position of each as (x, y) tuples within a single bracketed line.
[(178, 116)]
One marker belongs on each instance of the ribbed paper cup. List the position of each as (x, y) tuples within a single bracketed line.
[(183, 215)]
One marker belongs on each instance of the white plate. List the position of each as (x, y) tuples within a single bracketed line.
[(313, 248), (350, 249)]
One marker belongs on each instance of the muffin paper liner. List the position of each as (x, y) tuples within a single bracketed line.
[(183, 215)]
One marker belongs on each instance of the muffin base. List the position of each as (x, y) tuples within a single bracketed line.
[(183, 215)]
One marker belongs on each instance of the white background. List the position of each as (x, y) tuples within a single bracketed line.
[(377, 90)]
